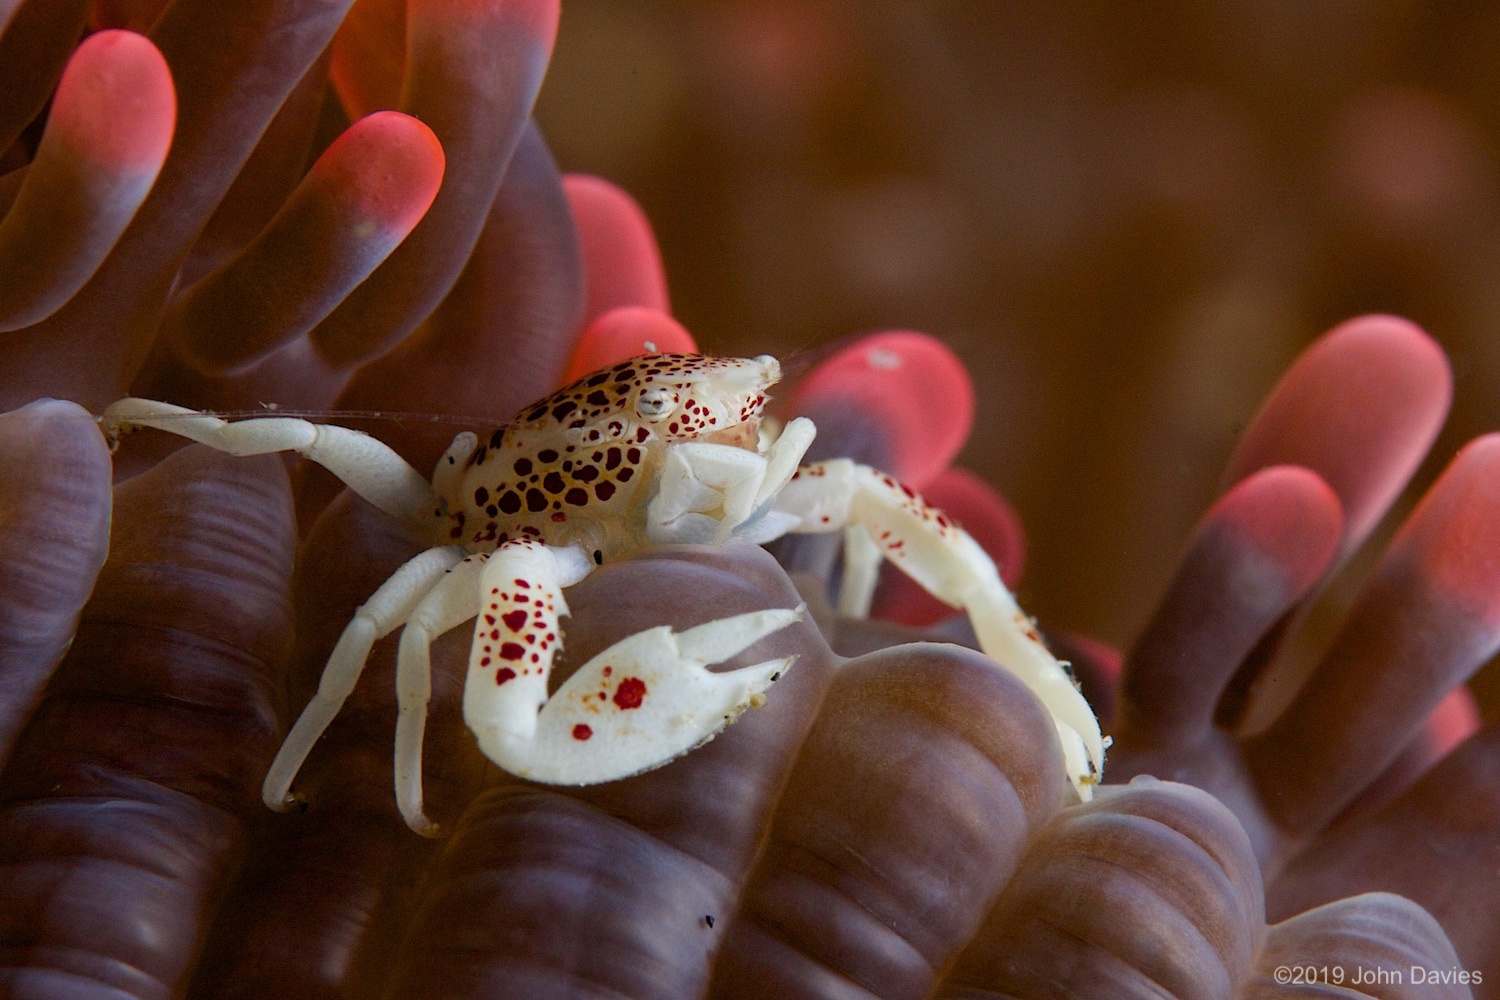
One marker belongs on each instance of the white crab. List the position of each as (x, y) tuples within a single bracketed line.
[(662, 448)]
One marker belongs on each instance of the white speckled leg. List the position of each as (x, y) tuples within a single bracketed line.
[(949, 564), (385, 611), (367, 466)]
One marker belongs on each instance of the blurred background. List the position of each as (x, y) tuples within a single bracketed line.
[(1127, 220)]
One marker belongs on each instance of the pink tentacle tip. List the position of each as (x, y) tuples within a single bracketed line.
[(388, 165), (620, 253), (912, 384), (1454, 720), (1290, 514), (115, 103), (1361, 406), (627, 332), (1453, 536)]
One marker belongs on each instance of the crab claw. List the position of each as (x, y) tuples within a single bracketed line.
[(642, 702)]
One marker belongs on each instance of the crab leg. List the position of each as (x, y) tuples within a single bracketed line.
[(949, 564), (861, 572), (367, 466), (387, 609)]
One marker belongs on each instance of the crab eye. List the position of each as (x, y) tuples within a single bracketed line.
[(656, 404)]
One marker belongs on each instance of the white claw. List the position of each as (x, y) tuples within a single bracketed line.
[(642, 702), (716, 641)]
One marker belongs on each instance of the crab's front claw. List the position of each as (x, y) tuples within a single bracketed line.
[(642, 702)]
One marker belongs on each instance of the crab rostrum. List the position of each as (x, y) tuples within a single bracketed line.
[(659, 449)]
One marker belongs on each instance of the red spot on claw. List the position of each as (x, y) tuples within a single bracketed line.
[(630, 693), (582, 732), (514, 620), (504, 675)]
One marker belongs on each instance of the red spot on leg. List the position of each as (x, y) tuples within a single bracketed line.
[(504, 675), (582, 732), (630, 693), (514, 620), (512, 651)]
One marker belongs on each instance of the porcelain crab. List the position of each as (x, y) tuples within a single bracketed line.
[(659, 449)]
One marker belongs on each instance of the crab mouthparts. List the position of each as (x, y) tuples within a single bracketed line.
[(745, 434)]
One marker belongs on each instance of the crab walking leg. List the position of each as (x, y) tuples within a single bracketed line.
[(449, 603), (635, 706), (945, 560), (388, 608), (367, 466), (861, 572)]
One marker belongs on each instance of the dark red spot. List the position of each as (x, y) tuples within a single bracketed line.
[(523, 584), (582, 732), (604, 490), (630, 693), (523, 466), (642, 433), (598, 398), (553, 483), (512, 651), (481, 497), (564, 408), (504, 675), (497, 438), (577, 497), (546, 455), (611, 458), (510, 502), (624, 474), (489, 619), (514, 620), (559, 517), (536, 501), (599, 379), (608, 670), (587, 474), (633, 456)]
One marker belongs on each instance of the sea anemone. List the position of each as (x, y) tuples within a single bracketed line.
[(186, 223)]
